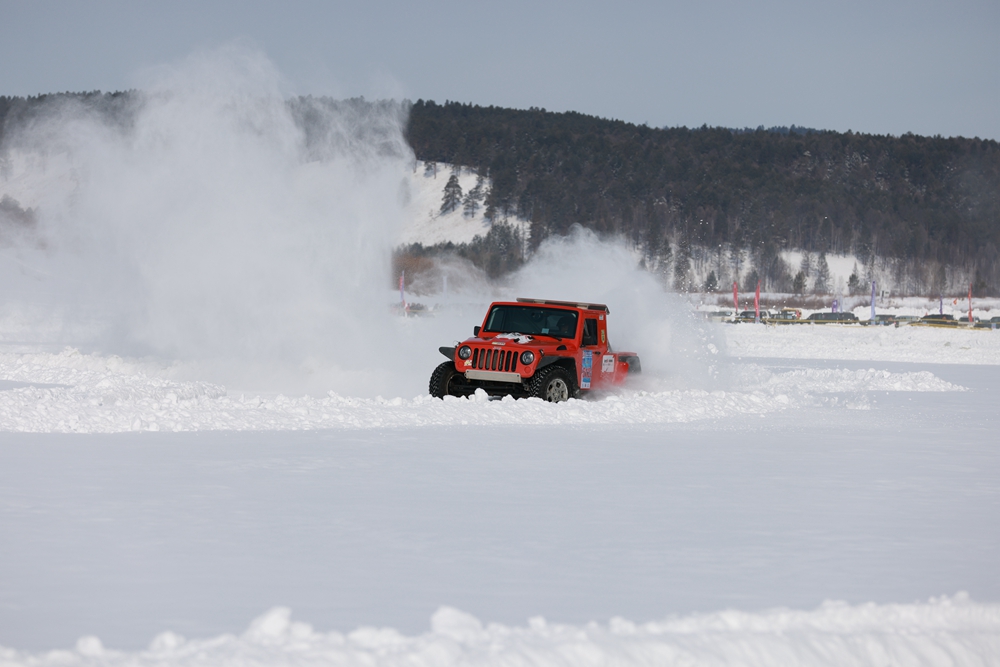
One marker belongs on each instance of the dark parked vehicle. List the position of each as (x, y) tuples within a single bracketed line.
[(938, 320), (785, 315), (883, 319), (750, 316), (832, 318)]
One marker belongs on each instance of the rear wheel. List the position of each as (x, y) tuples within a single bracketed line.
[(445, 380), (553, 384)]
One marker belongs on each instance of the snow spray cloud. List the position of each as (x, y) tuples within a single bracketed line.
[(676, 350), (219, 223)]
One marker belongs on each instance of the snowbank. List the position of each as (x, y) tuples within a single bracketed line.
[(906, 344), (73, 392), (942, 631)]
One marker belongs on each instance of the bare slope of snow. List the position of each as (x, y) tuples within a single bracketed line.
[(423, 192), (943, 631)]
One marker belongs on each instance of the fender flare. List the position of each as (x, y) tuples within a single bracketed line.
[(548, 361), (568, 362), (447, 351)]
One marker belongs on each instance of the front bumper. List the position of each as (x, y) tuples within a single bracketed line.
[(493, 376)]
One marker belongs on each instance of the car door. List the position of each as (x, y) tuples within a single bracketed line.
[(599, 362)]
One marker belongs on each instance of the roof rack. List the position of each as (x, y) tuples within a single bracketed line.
[(572, 304)]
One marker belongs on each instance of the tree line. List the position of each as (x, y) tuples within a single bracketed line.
[(683, 194)]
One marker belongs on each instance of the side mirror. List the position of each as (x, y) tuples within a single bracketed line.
[(476, 330)]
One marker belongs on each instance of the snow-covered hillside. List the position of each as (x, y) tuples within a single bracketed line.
[(422, 195)]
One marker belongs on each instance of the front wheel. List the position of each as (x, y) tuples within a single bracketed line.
[(445, 380), (553, 384)]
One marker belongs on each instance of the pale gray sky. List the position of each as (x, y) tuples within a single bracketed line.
[(870, 66)]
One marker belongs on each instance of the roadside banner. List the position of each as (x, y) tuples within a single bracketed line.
[(756, 304), (736, 299), (873, 302)]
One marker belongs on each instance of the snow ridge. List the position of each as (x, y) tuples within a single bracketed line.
[(72, 392), (943, 631)]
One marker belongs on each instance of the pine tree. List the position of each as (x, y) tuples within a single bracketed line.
[(682, 268), (473, 198), (664, 258), (452, 195), (854, 282), (799, 284), (711, 283), (805, 267), (822, 284)]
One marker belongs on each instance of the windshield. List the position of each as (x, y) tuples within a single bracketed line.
[(532, 321)]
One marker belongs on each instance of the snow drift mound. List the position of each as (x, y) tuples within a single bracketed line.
[(72, 392), (943, 631)]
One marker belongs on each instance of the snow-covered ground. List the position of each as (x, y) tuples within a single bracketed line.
[(944, 631), (684, 526), (69, 392)]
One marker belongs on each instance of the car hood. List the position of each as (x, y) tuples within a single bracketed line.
[(543, 343)]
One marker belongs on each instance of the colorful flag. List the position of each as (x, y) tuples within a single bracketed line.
[(756, 304)]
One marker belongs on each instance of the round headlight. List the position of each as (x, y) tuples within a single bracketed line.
[(464, 352), (527, 357)]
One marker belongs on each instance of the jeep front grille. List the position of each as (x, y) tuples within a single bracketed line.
[(494, 359)]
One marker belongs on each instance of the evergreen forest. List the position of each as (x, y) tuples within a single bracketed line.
[(926, 207)]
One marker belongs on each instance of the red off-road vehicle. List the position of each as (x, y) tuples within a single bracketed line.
[(552, 350)]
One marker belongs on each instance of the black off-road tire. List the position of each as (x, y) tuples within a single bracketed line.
[(553, 384), (444, 380)]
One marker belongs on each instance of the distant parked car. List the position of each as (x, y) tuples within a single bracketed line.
[(720, 316), (939, 320), (883, 320), (786, 315), (832, 318), (904, 320), (749, 316)]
